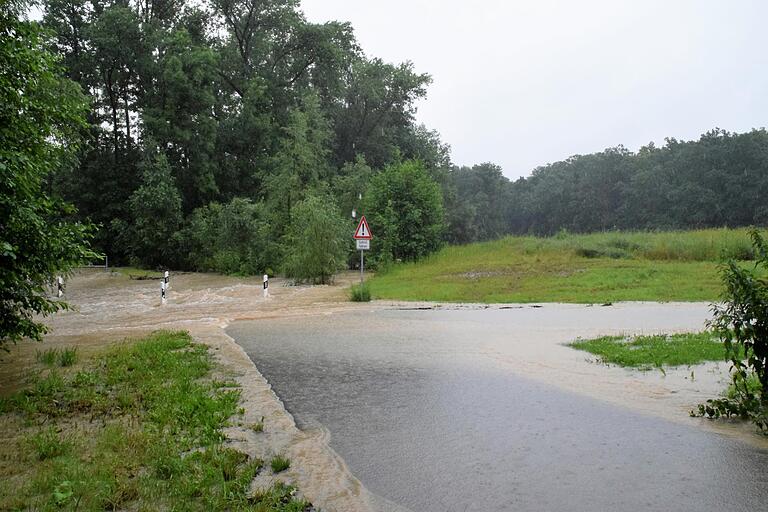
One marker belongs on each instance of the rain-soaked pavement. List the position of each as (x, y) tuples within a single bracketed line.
[(480, 410)]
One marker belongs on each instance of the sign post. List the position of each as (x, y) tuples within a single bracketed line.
[(363, 238)]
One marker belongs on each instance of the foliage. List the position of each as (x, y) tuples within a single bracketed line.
[(40, 115), (678, 266), (150, 436), (317, 240), (243, 100), (156, 213), (654, 351), (404, 209), (741, 321), (232, 238)]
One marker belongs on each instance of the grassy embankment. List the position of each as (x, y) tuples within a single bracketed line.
[(594, 268), (138, 428), (657, 351)]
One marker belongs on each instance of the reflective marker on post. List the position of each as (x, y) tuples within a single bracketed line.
[(266, 286)]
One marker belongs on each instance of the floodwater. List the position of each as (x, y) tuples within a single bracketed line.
[(479, 410)]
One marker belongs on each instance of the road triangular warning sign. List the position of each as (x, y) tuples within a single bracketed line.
[(363, 232)]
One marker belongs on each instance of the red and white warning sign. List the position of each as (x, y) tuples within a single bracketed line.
[(363, 232)]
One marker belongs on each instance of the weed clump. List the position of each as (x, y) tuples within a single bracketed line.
[(279, 463), (360, 293), (52, 356), (47, 444)]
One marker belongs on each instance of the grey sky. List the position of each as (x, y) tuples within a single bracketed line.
[(526, 83)]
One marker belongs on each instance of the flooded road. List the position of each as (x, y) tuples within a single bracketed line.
[(467, 409)]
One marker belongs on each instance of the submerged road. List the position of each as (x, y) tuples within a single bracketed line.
[(476, 410)]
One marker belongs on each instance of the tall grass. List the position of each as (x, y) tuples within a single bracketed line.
[(585, 268), (700, 245)]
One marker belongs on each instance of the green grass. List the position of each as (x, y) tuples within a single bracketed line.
[(655, 351), (594, 268), (139, 428)]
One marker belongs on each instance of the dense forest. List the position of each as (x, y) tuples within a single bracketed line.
[(225, 134)]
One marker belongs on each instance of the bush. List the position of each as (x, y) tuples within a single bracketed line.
[(742, 323)]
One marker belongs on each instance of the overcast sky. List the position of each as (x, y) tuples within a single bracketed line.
[(524, 83)]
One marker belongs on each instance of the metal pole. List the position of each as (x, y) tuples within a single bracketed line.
[(362, 265)]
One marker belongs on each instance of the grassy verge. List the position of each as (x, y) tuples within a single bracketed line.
[(595, 268), (655, 351), (138, 428)]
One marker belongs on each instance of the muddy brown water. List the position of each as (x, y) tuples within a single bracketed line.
[(472, 409)]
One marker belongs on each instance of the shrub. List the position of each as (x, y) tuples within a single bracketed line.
[(742, 323)]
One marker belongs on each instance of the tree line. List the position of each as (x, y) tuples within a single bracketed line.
[(217, 129)]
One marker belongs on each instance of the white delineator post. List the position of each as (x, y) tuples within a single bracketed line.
[(162, 291), (266, 286), (59, 286), (167, 279)]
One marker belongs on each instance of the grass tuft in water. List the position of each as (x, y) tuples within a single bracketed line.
[(279, 463), (655, 351)]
